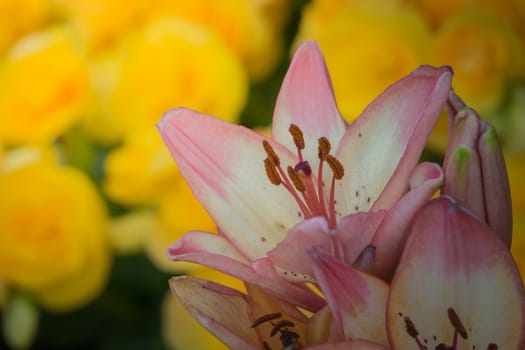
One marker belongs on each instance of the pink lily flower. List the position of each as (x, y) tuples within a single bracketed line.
[(475, 170), (456, 287), (347, 186), (251, 321)]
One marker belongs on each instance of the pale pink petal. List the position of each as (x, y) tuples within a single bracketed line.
[(221, 310), (381, 148), (452, 261), (217, 253), (390, 238), (353, 234), (307, 99), (356, 231), (291, 254), (270, 281), (223, 165), (357, 300)]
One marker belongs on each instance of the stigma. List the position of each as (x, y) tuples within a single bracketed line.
[(299, 180)]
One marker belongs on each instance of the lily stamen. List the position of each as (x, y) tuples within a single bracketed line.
[(299, 178), (298, 139), (277, 176), (271, 172), (458, 326), (412, 331)]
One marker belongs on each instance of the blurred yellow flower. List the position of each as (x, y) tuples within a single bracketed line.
[(102, 22), (438, 11), (53, 239), (178, 212), (485, 55), (251, 28), (18, 18), (171, 63), (367, 46), (43, 84), (127, 184)]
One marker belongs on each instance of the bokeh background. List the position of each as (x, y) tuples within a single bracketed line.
[(90, 198)]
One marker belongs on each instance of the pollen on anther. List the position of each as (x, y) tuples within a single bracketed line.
[(324, 148), (456, 322), (297, 136), (296, 180), (336, 166), (270, 152), (271, 172)]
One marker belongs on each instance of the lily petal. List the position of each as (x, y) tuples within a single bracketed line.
[(384, 144), (391, 236), (273, 283), (353, 234), (261, 304), (454, 262), (221, 310), (291, 254), (215, 252), (357, 300), (307, 99), (222, 170)]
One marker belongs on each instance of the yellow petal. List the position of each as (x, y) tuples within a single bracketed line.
[(53, 239), (43, 84), (184, 65)]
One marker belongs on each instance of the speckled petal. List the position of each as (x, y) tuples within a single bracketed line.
[(217, 253), (381, 148), (223, 165), (454, 261), (357, 300)]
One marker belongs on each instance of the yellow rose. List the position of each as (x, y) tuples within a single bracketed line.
[(173, 63), (485, 55), (102, 22), (438, 11), (17, 18), (43, 84), (252, 29), (367, 46), (53, 235)]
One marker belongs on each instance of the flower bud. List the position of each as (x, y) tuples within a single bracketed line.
[(475, 173)]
